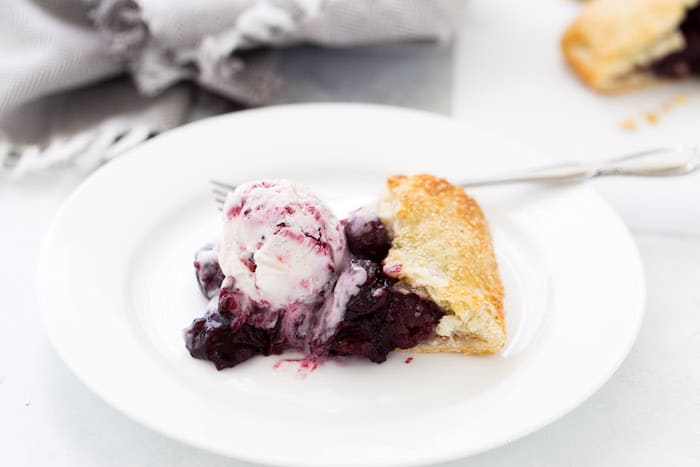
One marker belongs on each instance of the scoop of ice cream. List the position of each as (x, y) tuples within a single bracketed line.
[(280, 242)]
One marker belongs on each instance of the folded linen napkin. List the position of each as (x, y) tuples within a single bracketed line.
[(52, 46)]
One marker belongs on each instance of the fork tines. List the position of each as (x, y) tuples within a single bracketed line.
[(220, 190)]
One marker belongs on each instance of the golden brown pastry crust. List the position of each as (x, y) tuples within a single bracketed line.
[(612, 41), (442, 245)]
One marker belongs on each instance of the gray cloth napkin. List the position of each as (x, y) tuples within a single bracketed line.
[(66, 46)]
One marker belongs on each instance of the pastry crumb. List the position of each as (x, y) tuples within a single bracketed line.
[(652, 117), (680, 99), (628, 124)]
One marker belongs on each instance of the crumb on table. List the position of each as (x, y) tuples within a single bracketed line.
[(652, 117), (628, 124), (680, 99)]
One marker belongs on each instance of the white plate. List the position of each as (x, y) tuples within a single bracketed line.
[(117, 287)]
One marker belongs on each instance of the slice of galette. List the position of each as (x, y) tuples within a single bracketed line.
[(621, 44), (417, 271), (442, 249)]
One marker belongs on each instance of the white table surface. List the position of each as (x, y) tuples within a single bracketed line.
[(506, 74)]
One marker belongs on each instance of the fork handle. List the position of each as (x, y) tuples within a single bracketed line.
[(664, 162)]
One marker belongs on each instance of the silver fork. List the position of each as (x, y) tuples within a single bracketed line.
[(662, 162), (220, 190)]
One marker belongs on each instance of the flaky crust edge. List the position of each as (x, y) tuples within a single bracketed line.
[(453, 214), (645, 31)]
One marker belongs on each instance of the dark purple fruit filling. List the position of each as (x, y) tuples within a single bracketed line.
[(213, 338), (367, 237), (209, 275), (224, 337), (378, 318), (685, 62)]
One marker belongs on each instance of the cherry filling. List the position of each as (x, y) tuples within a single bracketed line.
[(367, 237), (685, 62), (214, 338), (379, 317)]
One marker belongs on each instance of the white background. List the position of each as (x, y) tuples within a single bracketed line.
[(505, 72)]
